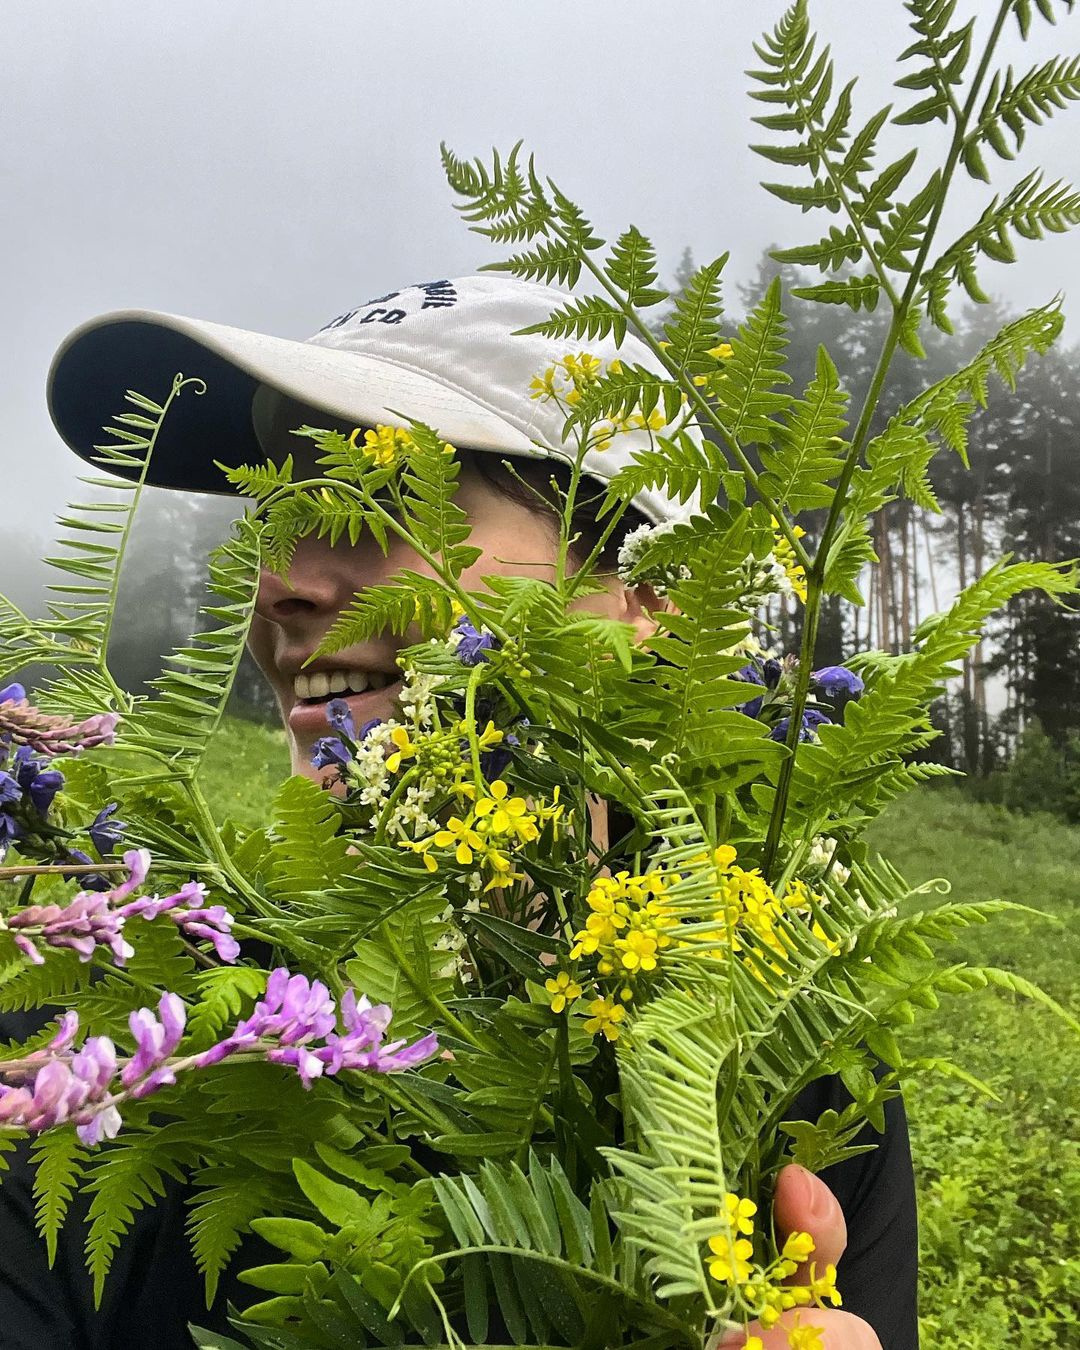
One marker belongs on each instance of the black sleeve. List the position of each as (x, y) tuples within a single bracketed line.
[(153, 1290), (878, 1273)]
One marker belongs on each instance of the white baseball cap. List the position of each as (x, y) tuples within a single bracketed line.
[(440, 352)]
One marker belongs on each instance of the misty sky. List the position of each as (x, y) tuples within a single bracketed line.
[(272, 164)]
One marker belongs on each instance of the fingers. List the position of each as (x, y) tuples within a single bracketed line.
[(840, 1331), (804, 1204)]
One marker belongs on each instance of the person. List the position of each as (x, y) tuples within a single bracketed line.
[(445, 353)]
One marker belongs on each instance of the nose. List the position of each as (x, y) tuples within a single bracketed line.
[(313, 586)]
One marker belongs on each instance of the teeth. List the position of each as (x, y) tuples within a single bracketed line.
[(322, 683)]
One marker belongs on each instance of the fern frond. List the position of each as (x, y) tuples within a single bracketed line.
[(748, 397), (631, 267), (190, 702), (694, 327), (219, 1218), (1012, 105), (808, 453), (430, 479), (943, 53), (1029, 210), (59, 1161), (392, 606), (590, 317)]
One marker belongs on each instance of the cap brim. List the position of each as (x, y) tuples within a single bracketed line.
[(143, 350)]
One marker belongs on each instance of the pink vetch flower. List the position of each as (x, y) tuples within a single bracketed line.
[(51, 733), (155, 1040), (298, 1013), (68, 1087), (94, 918), (210, 922)]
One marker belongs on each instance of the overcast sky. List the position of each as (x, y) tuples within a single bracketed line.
[(270, 164)]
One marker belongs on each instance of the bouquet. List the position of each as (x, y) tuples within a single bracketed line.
[(498, 1040)]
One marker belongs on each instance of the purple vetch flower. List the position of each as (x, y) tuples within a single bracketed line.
[(89, 881), (39, 783), (330, 752), (771, 670), (471, 644), (339, 717), (87, 922), (811, 720), (361, 1045), (749, 674), (10, 793), (155, 1040), (49, 733), (105, 833), (197, 920), (71, 1087), (834, 681)]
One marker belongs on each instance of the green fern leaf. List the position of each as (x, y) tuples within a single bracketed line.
[(219, 1218), (1012, 105), (749, 400), (590, 317), (693, 330), (808, 453), (59, 1161), (632, 268), (191, 697)]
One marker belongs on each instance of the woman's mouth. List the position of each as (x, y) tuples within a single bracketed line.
[(368, 694)]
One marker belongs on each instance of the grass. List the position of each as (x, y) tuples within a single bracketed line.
[(999, 1180)]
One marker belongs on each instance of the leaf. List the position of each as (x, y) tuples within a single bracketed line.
[(693, 329), (632, 268), (59, 1160), (808, 453), (748, 397), (856, 292), (220, 1215)]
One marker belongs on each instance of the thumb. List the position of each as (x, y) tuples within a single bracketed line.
[(804, 1204)]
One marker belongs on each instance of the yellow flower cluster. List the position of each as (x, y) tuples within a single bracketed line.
[(487, 836), (385, 445), (627, 927), (731, 1262), (749, 905), (785, 556), (566, 381)]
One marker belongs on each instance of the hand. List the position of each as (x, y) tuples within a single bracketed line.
[(804, 1204)]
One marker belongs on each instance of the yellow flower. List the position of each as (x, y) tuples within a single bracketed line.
[(406, 749), (421, 846), (637, 950), (740, 1213), (508, 814), (798, 1247), (543, 385), (824, 1286), (606, 1016), (722, 352), (805, 1338), (384, 445), (754, 1343), (731, 1259), (463, 837), (563, 991)]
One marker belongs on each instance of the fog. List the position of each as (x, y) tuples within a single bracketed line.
[(270, 165)]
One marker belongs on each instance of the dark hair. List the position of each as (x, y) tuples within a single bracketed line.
[(537, 484)]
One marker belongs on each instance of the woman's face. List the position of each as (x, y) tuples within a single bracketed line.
[(293, 616)]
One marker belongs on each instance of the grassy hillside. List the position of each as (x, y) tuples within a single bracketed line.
[(999, 1180)]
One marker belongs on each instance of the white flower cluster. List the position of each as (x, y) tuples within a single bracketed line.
[(368, 770), (632, 552), (763, 578), (452, 940)]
